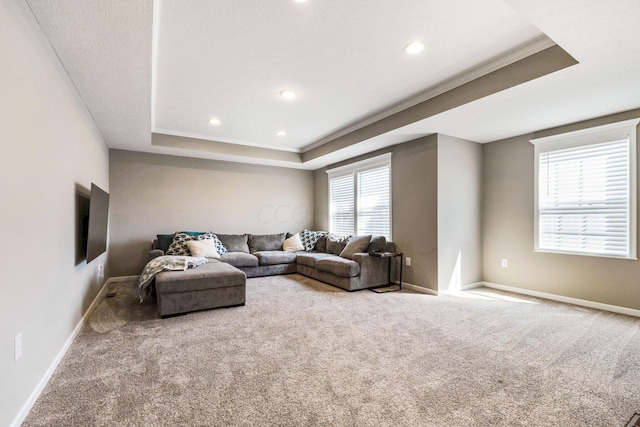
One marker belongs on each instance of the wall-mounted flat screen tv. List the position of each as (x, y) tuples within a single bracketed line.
[(98, 223)]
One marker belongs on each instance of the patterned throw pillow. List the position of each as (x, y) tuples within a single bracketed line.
[(178, 245), (309, 238), (211, 235)]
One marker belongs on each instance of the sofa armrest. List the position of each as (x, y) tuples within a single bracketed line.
[(155, 253), (374, 271)]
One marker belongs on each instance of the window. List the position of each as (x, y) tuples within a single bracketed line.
[(585, 200), (360, 197)]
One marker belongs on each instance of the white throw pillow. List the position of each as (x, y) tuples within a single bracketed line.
[(205, 248), (293, 244)]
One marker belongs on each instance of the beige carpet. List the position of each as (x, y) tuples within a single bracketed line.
[(302, 353)]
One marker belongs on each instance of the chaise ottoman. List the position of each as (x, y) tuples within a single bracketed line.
[(212, 285)]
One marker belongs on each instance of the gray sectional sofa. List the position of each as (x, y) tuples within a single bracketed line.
[(340, 261)]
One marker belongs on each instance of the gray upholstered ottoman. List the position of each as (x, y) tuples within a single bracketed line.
[(215, 284)]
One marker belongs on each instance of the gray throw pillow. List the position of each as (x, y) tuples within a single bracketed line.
[(356, 245), (336, 243), (378, 244)]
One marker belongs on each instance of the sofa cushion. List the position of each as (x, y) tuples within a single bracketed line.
[(234, 242), (240, 259), (336, 243), (275, 257), (339, 266), (293, 243), (208, 276), (377, 244), (309, 258), (266, 242), (355, 245)]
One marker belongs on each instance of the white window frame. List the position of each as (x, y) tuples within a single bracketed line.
[(625, 130), (383, 160)]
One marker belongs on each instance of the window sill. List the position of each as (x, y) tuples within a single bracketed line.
[(548, 251)]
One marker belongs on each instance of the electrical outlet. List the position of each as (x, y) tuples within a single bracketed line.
[(408, 261), (505, 263), (101, 270), (17, 347)]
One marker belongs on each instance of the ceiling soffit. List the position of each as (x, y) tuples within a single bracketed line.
[(546, 61)]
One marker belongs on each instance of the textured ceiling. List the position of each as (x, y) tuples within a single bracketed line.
[(105, 46), (153, 73), (344, 58)]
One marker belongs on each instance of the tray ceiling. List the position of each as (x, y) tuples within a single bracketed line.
[(153, 73)]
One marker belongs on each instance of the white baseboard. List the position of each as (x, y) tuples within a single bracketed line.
[(462, 288), (26, 408), (568, 300), (424, 290), (420, 289)]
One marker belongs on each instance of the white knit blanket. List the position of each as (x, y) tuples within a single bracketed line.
[(163, 263)]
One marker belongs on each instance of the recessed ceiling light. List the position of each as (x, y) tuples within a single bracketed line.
[(214, 121), (288, 94), (414, 47), (281, 133)]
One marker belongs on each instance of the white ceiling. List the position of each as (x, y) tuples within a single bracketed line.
[(154, 72)]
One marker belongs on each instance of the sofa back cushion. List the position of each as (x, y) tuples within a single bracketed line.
[(234, 242), (321, 244), (266, 242), (164, 240), (336, 243)]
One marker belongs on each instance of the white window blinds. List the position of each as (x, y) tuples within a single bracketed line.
[(374, 202), (584, 197), (360, 198), (342, 204)]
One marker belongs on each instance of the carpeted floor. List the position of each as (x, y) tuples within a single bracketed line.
[(302, 353)]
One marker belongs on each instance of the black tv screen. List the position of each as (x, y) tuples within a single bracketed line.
[(82, 226), (98, 223)]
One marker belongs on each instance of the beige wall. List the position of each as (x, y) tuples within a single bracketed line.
[(153, 194), (414, 193), (50, 147), (459, 213), (320, 200), (508, 231), (437, 209), (415, 209)]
